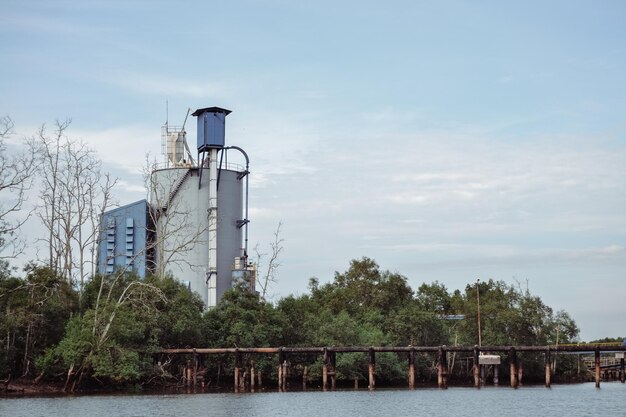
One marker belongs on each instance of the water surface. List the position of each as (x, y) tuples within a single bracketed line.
[(560, 400)]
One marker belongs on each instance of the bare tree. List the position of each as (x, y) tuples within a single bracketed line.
[(273, 262), (74, 197), (16, 175)]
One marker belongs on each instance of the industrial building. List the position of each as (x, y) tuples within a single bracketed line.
[(195, 226)]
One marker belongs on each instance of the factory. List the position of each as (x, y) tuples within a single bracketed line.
[(195, 224)]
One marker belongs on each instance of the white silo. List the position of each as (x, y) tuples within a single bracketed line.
[(199, 209)]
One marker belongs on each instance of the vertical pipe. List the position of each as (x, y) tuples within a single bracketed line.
[(285, 371), (520, 372), (412, 369), (513, 367), (325, 370), (597, 360), (372, 369), (212, 267), (548, 368), (333, 370), (475, 367)]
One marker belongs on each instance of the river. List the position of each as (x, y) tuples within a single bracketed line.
[(571, 400)]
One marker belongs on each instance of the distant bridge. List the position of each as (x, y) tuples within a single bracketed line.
[(479, 358)]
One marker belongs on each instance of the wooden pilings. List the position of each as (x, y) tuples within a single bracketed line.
[(333, 369), (548, 368), (282, 370), (597, 363), (476, 367), (412, 369), (372, 369), (513, 366), (496, 379), (442, 368), (237, 371), (325, 364), (247, 373)]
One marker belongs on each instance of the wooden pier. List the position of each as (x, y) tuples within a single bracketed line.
[(329, 354)]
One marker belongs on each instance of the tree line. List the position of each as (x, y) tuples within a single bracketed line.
[(110, 338)]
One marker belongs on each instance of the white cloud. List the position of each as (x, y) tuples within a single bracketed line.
[(166, 86)]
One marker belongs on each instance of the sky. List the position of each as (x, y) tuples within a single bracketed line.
[(448, 140)]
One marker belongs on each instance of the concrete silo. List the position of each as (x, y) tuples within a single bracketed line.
[(200, 211)]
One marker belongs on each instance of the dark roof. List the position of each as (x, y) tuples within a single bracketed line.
[(211, 110)]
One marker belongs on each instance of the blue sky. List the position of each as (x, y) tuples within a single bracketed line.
[(448, 140)]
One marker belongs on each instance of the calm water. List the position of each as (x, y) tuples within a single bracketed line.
[(563, 400)]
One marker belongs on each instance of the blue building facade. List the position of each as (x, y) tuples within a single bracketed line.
[(123, 240)]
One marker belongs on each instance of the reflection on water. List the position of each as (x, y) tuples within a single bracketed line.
[(571, 400)]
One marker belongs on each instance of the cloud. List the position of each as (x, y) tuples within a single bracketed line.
[(166, 86)]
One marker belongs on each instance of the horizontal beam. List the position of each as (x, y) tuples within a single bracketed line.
[(398, 349)]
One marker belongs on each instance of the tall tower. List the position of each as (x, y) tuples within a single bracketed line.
[(200, 210), (210, 138)]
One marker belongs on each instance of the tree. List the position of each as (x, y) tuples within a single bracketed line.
[(75, 195), (273, 262), (16, 174), (122, 317), (35, 310)]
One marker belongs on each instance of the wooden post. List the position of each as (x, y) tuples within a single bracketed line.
[(548, 369), (621, 370), (482, 378), (260, 379), (333, 370), (304, 377), (252, 375), (442, 368), (281, 358), (325, 370), (195, 369), (411, 369), (285, 371), (237, 370), (188, 374), (520, 372), (496, 379), (513, 367), (597, 360), (475, 367), (372, 369), (356, 383)]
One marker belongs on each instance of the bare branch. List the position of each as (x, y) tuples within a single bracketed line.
[(16, 176), (273, 263)]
